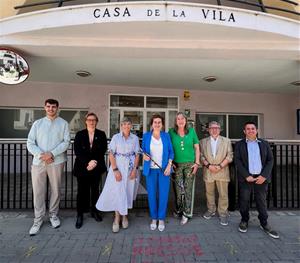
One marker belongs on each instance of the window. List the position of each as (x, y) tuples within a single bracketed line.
[(237, 124), (114, 121), (202, 121), (17, 122), (126, 101), (140, 110), (162, 102), (231, 124)]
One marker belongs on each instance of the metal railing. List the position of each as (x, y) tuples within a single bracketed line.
[(242, 4), (16, 186), (284, 189), (15, 178)]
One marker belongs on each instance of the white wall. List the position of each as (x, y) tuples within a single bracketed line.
[(278, 109)]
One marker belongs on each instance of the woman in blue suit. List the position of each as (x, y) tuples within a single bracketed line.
[(157, 144)]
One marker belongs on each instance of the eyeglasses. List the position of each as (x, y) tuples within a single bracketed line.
[(91, 120)]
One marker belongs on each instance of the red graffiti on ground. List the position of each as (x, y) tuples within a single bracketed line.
[(165, 247)]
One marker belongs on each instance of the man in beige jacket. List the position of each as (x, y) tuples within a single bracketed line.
[(216, 154)]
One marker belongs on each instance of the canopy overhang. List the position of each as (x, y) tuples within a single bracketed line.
[(161, 44)]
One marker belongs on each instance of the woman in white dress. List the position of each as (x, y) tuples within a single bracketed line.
[(123, 176)]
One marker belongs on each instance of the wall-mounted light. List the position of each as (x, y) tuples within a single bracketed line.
[(186, 94), (83, 73), (210, 78), (295, 83)]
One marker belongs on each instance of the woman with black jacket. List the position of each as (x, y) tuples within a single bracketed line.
[(90, 146)]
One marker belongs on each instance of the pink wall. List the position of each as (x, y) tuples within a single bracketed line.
[(278, 109)]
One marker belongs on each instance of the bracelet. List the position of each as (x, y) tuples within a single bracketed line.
[(197, 164), (220, 165), (115, 169), (207, 166)]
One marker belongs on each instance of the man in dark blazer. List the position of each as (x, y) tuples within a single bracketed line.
[(90, 146), (254, 161)]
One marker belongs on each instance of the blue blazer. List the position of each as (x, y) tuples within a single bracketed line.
[(168, 152)]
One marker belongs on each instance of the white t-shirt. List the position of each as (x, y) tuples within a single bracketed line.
[(156, 152)]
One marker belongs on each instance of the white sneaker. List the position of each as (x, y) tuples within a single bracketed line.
[(161, 225), (35, 228), (153, 225), (184, 220), (55, 222)]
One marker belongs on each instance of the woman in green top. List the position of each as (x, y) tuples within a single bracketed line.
[(187, 155)]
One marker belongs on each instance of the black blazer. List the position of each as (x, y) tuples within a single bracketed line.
[(84, 153), (241, 159)]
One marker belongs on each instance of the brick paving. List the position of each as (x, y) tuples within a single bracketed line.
[(200, 240)]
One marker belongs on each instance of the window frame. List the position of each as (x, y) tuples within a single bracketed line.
[(144, 109), (227, 114), (37, 108)]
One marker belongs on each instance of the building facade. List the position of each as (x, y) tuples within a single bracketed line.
[(230, 62)]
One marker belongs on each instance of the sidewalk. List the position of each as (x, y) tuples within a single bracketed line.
[(200, 240)]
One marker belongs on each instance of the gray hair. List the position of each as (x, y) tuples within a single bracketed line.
[(126, 120), (214, 123)]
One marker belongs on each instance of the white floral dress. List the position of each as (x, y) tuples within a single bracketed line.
[(119, 196)]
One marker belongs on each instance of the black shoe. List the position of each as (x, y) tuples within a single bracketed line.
[(97, 216), (177, 214), (79, 221), (243, 227), (269, 231)]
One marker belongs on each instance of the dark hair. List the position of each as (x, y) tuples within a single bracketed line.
[(90, 114), (52, 101), (186, 130), (157, 116), (249, 122)]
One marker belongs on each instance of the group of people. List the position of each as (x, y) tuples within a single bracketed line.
[(174, 156)]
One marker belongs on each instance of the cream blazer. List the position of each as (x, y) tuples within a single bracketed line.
[(224, 151)]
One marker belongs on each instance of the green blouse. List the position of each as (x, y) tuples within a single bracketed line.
[(184, 146)]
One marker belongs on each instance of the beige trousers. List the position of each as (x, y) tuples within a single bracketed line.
[(39, 174), (223, 197)]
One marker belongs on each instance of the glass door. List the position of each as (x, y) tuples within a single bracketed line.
[(137, 121), (151, 113)]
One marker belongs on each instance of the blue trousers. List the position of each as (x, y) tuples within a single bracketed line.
[(158, 186)]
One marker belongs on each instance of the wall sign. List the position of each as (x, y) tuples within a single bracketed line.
[(164, 12)]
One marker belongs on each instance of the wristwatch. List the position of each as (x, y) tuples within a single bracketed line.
[(115, 169)]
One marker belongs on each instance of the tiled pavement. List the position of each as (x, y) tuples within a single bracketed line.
[(200, 240)]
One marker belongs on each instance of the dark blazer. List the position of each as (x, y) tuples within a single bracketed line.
[(168, 152), (241, 159), (84, 153)]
